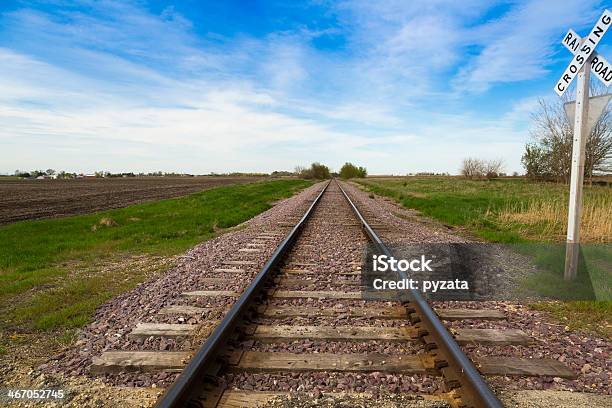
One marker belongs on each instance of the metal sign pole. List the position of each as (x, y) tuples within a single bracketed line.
[(581, 130)]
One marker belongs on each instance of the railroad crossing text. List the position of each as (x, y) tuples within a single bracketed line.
[(583, 52)]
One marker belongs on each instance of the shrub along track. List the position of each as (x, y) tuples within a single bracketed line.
[(300, 324)]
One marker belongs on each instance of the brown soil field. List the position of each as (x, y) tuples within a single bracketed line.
[(34, 199)]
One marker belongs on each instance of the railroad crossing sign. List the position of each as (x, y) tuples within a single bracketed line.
[(600, 67), (585, 60), (585, 50)]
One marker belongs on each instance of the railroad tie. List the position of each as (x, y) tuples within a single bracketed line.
[(256, 244), (249, 250), (316, 294), (390, 312), (211, 293), (185, 310), (280, 361), (139, 361), (229, 270), (163, 330), (174, 361), (280, 333), (239, 262)]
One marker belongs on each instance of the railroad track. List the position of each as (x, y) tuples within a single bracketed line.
[(301, 316)]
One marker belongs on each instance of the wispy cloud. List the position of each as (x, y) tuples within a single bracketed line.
[(521, 44)]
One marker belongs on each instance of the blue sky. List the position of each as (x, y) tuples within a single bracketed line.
[(220, 86)]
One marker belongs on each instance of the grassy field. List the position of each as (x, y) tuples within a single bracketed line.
[(54, 273), (504, 210), (516, 211)]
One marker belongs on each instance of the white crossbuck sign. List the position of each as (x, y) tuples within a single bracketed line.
[(582, 51), (600, 67), (585, 61)]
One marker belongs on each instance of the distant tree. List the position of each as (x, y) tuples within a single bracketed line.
[(349, 170), (493, 168), (316, 171), (478, 168), (49, 172), (319, 171), (472, 168), (535, 162), (303, 172)]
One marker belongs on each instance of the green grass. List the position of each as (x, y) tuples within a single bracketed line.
[(55, 272), (479, 207), (591, 316), (477, 204)]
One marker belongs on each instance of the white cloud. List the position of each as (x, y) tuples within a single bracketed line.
[(521, 44), (218, 129)]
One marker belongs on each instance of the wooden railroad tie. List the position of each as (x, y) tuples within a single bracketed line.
[(253, 399), (239, 263), (163, 330), (222, 281), (186, 310), (212, 293), (391, 312), (229, 270), (297, 271), (316, 294), (254, 361), (272, 334), (288, 280)]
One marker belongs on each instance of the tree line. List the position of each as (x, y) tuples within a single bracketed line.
[(321, 172)]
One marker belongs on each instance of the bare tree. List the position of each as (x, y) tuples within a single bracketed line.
[(299, 170), (478, 168), (554, 134), (493, 168), (472, 168)]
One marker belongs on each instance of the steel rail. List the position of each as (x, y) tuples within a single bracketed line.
[(478, 393), (188, 386)]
